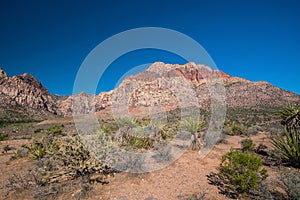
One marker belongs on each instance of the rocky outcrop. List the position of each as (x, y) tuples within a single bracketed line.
[(162, 87), (25, 93), (165, 85)]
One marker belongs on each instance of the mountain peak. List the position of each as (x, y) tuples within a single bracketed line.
[(3, 74), (191, 71), (27, 92)]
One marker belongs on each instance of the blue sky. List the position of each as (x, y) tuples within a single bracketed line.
[(257, 40)]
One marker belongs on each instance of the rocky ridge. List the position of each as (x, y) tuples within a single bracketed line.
[(24, 97), (161, 85)]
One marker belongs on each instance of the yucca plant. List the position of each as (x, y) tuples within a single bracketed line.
[(288, 148), (290, 116), (193, 126), (37, 149), (137, 141)]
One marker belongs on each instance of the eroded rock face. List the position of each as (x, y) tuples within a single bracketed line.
[(3, 75), (163, 86), (26, 92)]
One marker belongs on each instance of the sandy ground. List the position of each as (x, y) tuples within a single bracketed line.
[(186, 176)]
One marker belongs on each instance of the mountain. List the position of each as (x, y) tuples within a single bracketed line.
[(24, 98), (159, 86)]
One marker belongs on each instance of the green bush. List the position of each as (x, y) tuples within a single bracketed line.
[(54, 130), (107, 128), (241, 172), (236, 129), (288, 148), (248, 145), (38, 149)]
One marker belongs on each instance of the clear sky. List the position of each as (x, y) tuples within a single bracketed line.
[(256, 40)]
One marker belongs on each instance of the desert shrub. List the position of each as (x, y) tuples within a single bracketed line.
[(167, 133), (163, 129), (3, 136), (17, 182), (107, 128), (58, 162), (7, 148), (137, 142), (263, 192), (54, 130), (239, 172), (39, 130), (288, 148), (236, 129), (38, 149), (291, 182), (19, 153), (127, 121), (74, 160), (248, 145)]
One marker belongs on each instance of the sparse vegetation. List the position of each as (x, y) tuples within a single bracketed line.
[(242, 170), (19, 183), (193, 126), (236, 129), (58, 161), (3, 136), (39, 130), (38, 149), (239, 173), (54, 130), (291, 184), (248, 145), (62, 159), (288, 147), (137, 142), (19, 153), (7, 148)]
